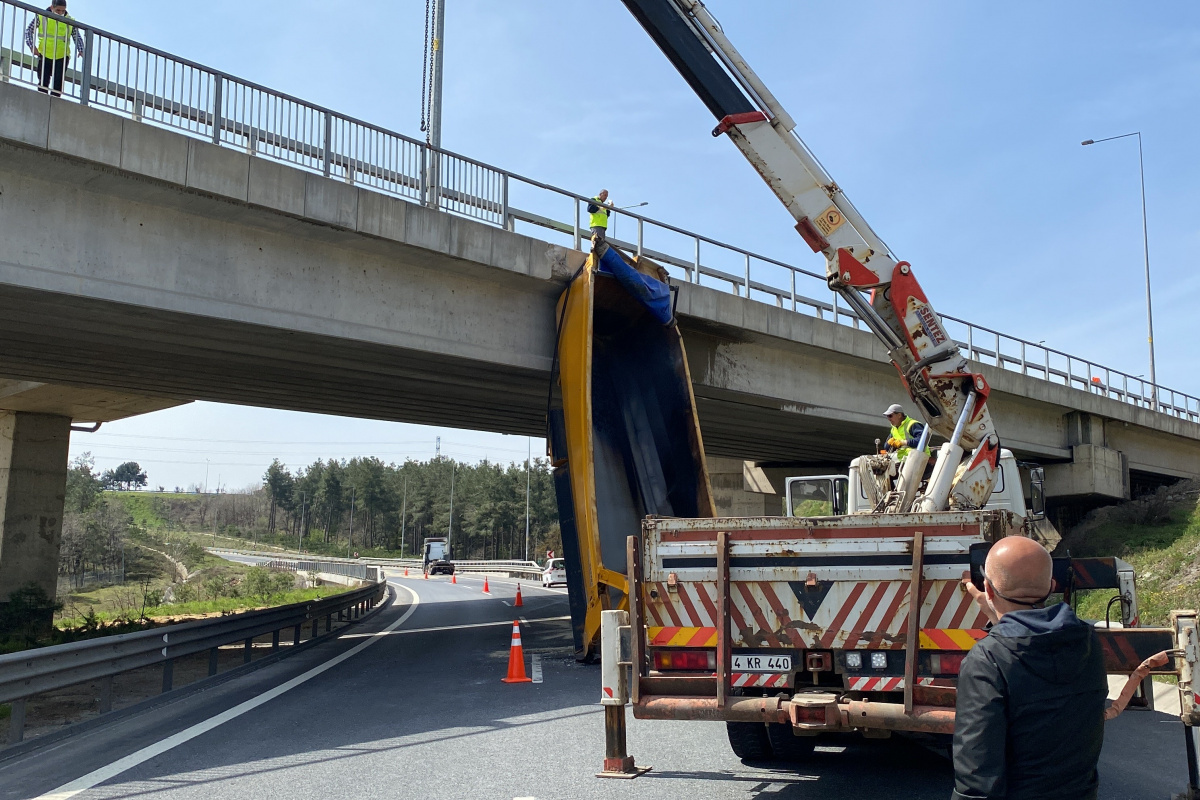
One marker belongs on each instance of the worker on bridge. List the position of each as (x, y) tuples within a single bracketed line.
[(50, 40), (905, 434), (598, 211)]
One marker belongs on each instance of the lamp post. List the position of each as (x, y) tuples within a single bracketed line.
[(528, 458), (625, 208), (1146, 254)]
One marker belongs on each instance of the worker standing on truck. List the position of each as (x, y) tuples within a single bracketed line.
[(905, 434), (1029, 721), (598, 210)]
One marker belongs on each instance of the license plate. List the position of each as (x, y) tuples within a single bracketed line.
[(762, 663)]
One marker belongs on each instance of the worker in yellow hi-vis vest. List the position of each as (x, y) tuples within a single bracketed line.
[(598, 211), (50, 40), (905, 434)]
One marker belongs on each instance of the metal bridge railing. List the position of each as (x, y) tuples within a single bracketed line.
[(161, 89)]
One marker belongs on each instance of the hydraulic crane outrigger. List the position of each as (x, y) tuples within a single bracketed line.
[(951, 398)]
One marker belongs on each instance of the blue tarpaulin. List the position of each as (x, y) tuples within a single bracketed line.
[(650, 292)]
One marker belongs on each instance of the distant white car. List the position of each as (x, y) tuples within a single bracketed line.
[(555, 572)]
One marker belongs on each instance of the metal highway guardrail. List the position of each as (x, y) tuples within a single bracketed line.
[(31, 672), (157, 88), (361, 572), (333, 564)]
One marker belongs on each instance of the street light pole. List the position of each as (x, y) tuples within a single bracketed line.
[(1146, 256), (528, 458), (403, 517), (303, 508), (350, 538), (450, 525)]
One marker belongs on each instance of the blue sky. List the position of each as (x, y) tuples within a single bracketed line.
[(954, 127)]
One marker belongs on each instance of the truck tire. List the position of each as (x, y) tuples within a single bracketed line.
[(786, 745), (749, 740)]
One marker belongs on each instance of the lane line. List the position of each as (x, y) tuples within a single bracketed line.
[(461, 627), (537, 668), (98, 776), (526, 584)]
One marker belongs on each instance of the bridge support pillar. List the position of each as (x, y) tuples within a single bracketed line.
[(33, 479)]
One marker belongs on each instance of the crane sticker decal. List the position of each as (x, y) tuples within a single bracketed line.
[(928, 322), (829, 221)]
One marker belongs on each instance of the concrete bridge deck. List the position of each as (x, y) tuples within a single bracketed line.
[(140, 265)]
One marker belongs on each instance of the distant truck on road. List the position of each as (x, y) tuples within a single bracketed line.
[(437, 557)]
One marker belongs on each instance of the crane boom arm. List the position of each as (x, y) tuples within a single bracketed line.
[(933, 369)]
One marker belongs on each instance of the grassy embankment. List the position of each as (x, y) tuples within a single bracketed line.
[(1160, 537), (155, 593)]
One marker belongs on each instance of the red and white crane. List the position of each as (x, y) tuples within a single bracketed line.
[(881, 289)]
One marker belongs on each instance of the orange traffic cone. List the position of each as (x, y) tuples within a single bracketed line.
[(486, 590), (453, 578), (516, 658), (426, 576), (406, 572), (518, 602)]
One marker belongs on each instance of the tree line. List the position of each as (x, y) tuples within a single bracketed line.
[(331, 506), (95, 526), (395, 506)]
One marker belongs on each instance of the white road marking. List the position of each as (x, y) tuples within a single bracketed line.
[(464, 626), (98, 776), (537, 668)]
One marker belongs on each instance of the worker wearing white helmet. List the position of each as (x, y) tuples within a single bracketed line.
[(905, 434)]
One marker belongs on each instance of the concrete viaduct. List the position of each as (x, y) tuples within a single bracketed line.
[(141, 268)]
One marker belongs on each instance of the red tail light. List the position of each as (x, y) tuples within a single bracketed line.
[(690, 660), (946, 663)]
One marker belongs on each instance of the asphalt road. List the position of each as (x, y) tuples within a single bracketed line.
[(420, 712)]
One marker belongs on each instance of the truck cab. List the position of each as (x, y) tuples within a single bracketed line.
[(836, 495), (436, 559)]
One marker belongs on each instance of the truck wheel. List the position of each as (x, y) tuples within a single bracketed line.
[(749, 740), (786, 745)]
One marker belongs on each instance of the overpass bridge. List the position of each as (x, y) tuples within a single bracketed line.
[(174, 233)]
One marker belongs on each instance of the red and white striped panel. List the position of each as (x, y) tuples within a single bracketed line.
[(854, 614), (891, 684), (875, 684), (741, 679)]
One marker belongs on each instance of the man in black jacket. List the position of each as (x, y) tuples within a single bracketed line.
[(1030, 713)]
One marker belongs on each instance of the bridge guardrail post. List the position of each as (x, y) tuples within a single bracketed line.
[(218, 118), (506, 222), (327, 145), (85, 84), (578, 240)]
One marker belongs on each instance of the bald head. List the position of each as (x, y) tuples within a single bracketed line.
[(1020, 569)]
